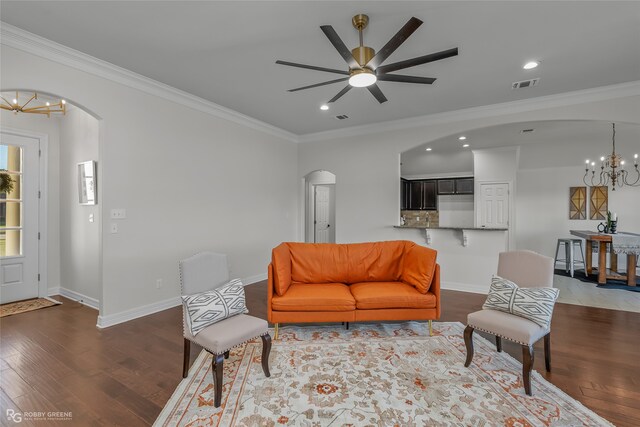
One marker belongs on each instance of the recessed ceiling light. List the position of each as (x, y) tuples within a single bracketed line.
[(324, 107), (428, 149), (531, 65), (465, 145), (462, 138)]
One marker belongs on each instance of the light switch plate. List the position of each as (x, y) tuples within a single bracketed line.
[(114, 228)]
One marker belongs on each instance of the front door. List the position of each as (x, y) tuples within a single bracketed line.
[(494, 205), (19, 218), (322, 225)]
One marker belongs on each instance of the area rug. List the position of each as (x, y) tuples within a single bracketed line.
[(611, 283), (372, 374), (26, 305)]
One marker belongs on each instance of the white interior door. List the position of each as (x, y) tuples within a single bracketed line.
[(322, 208), (494, 205), (19, 219)]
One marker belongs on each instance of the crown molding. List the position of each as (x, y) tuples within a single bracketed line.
[(601, 93), (20, 39)]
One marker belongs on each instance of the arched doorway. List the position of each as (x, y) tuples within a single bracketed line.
[(320, 207)]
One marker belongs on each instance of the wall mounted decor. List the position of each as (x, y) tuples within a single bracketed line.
[(599, 201), (87, 190), (577, 202)]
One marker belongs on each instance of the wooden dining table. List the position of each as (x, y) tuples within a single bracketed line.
[(602, 239)]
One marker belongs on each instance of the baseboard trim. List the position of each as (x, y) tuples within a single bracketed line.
[(76, 296), (254, 279), (464, 287), (134, 313), (145, 310)]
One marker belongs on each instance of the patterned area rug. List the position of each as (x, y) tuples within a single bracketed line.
[(27, 305), (373, 374)]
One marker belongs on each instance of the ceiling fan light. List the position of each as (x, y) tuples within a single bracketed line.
[(362, 78)]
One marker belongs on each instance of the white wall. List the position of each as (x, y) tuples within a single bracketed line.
[(542, 197), (368, 171), (80, 244), (189, 180), (51, 128)]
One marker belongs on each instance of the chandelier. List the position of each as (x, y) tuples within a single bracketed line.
[(612, 170), (35, 107)]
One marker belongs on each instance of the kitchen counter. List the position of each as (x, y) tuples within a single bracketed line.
[(424, 227)]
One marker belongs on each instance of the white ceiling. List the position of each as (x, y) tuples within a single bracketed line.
[(225, 52), (448, 155)]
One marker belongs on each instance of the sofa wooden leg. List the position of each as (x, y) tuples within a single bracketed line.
[(468, 341), (527, 365), (499, 344), (217, 368), (266, 351), (275, 331), (347, 325), (547, 351), (430, 328), (185, 358)]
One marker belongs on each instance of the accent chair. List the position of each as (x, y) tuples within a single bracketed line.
[(528, 270), (203, 272)]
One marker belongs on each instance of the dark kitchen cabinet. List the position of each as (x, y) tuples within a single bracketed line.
[(420, 195), (446, 186), (464, 186), (405, 193), (455, 186)]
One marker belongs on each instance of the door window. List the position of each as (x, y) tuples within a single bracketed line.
[(11, 203)]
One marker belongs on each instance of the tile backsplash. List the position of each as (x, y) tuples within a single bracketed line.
[(421, 218)]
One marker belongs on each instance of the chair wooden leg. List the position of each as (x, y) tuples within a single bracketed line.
[(498, 343), (468, 341), (266, 351), (217, 366), (547, 351), (226, 354), (527, 366), (185, 358)]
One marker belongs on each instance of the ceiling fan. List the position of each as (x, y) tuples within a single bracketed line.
[(365, 65)]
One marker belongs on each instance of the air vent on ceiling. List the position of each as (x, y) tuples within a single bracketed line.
[(342, 117), (527, 130), (525, 83)]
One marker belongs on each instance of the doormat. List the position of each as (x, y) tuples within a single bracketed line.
[(18, 307), (611, 283)]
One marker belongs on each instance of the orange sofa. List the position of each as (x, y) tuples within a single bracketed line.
[(327, 282)]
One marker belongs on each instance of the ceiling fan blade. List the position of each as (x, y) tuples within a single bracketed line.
[(394, 43), (346, 89), (416, 61), (318, 84), (406, 79), (377, 93), (313, 67), (337, 42)]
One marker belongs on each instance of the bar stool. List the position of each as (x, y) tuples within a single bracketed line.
[(569, 259)]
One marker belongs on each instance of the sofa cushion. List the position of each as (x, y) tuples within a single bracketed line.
[(346, 263), (377, 295), (281, 261), (315, 297), (419, 266)]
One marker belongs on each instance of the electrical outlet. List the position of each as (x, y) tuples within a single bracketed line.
[(90, 217), (158, 283), (114, 228), (118, 213)]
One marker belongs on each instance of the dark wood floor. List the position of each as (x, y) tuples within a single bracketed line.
[(55, 359)]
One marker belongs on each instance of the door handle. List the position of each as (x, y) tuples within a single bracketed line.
[(328, 225)]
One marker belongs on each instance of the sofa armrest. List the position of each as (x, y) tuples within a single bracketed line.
[(270, 285), (435, 289)]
